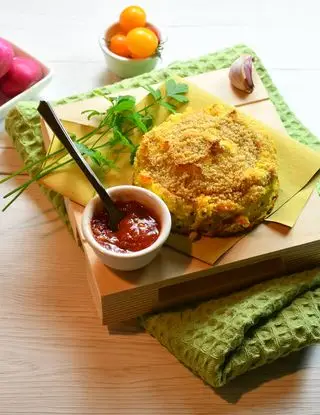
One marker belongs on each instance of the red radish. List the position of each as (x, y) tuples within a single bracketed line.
[(6, 56), (3, 99), (23, 73)]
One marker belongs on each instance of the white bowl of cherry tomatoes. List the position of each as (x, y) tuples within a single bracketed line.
[(132, 45)]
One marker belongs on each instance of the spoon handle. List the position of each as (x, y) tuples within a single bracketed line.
[(48, 114)]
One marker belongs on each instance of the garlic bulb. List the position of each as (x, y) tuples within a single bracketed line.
[(240, 73)]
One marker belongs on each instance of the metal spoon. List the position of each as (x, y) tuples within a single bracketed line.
[(48, 114)]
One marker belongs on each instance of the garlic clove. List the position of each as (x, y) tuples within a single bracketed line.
[(240, 73)]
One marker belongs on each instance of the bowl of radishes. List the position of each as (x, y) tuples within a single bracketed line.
[(21, 75)]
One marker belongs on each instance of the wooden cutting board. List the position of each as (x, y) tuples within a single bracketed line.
[(174, 278)]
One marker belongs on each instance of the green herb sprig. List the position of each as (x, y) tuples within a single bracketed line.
[(114, 134)]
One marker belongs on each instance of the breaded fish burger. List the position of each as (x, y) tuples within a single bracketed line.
[(215, 169)]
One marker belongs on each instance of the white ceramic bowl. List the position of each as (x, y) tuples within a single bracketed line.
[(126, 67), (33, 90), (131, 260)]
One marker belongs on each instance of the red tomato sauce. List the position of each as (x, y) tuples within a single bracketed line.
[(137, 230)]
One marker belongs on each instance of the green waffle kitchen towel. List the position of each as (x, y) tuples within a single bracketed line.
[(224, 338), (219, 339)]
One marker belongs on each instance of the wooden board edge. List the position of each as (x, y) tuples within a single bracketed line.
[(122, 306)]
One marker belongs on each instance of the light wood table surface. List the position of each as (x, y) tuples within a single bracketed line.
[(55, 357)]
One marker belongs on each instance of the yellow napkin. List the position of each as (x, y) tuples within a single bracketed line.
[(297, 167), (289, 212)]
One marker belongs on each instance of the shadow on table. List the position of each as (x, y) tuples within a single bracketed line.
[(125, 328), (234, 390), (107, 78)]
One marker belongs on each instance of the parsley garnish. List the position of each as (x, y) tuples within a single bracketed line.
[(115, 133)]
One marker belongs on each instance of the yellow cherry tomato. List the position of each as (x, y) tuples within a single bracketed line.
[(118, 44), (142, 42), (131, 17)]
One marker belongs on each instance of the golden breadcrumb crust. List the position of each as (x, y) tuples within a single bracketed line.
[(215, 169)]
